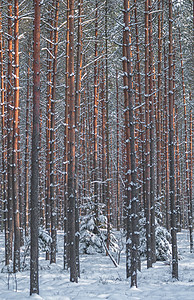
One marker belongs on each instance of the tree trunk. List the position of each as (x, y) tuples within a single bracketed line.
[(10, 130), (147, 139), (77, 124), (171, 150), (152, 146), (4, 158), (66, 243), (95, 166), (71, 166), (34, 284), (132, 216), (190, 221), (118, 180), (190, 182), (16, 210), (26, 175), (52, 143), (166, 146), (48, 122), (158, 106)]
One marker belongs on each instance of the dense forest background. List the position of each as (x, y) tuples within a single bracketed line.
[(96, 126)]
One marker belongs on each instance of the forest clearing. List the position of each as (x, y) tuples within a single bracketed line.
[(100, 279)]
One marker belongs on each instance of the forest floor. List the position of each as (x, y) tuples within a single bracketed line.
[(101, 280)]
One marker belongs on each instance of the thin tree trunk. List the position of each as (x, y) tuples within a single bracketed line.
[(190, 182), (34, 282), (118, 180), (4, 158), (48, 123), (66, 244), (77, 123), (166, 150), (10, 130), (107, 128), (71, 166), (16, 265), (147, 139), (171, 150), (52, 143), (103, 134), (26, 183), (186, 149), (152, 146), (178, 186), (95, 170), (158, 106)]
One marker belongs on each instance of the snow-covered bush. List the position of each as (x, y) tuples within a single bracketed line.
[(163, 246), (163, 241), (44, 240), (91, 237)]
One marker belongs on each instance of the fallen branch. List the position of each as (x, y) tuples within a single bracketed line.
[(106, 249)]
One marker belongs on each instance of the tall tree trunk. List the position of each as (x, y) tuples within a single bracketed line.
[(158, 107), (166, 137), (178, 178), (26, 168), (132, 216), (48, 122), (34, 282), (118, 180), (147, 138), (103, 105), (66, 244), (191, 181), (16, 210), (52, 143), (95, 166), (77, 124), (71, 166), (186, 149), (152, 146), (4, 158), (107, 128), (171, 150), (10, 130)]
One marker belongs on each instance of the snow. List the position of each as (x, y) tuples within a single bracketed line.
[(101, 280)]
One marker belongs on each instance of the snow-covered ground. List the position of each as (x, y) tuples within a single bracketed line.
[(101, 280)]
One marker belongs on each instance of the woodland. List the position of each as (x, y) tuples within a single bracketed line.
[(96, 133)]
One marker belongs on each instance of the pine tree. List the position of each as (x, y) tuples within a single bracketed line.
[(34, 280)]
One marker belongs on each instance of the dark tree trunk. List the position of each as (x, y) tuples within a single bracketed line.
[(107, 129), (77, 124), (147, 139), (132, 215), (186, 150), (152, 146), (71, 166), (66, 244), (191, 181), (95, 164), (26, 175), (34, 282), (52, 143), (171, 150), (118, 166)]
